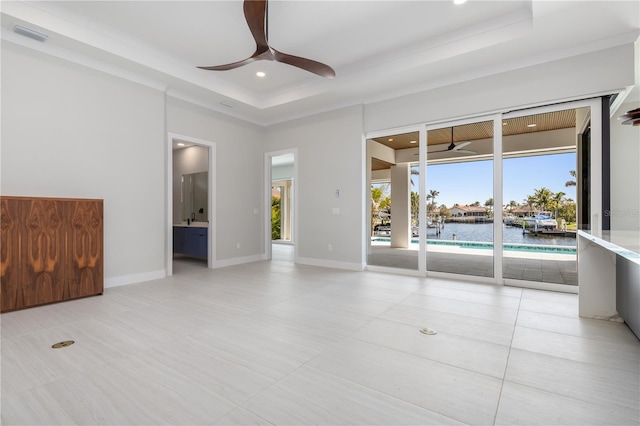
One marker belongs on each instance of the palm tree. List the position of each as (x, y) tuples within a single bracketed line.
[(489, 205), (475, 204), (557, 200), (512, 205), (543, 197), (379, 201), (415, 208), (433, 194), (571, 182), (530, 201)]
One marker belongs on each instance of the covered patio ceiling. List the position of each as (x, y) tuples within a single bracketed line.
[(537, 134)]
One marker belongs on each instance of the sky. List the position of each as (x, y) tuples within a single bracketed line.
[(464, 183)]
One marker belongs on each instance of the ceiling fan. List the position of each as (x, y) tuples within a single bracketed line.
[(456, 148), (255, 12)]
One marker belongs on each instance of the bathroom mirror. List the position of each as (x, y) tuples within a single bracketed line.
[(195, 191)]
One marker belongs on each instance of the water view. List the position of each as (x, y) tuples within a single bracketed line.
[(483, 232)]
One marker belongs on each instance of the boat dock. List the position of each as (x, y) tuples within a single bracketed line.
[(550, 232)]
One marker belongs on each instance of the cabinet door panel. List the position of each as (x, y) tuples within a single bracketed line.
[(10, 255), (201, 243), (43, 239), (195, 242), (84, 248), (178, 239)]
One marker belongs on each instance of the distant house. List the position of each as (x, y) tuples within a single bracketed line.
[(525, 211), (458, 211)]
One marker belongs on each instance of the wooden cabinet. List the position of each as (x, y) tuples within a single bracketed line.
[(51, 250)]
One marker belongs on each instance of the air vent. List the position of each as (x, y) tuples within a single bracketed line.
[(35, 35)]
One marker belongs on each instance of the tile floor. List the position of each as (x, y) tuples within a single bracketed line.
[(276, 343)]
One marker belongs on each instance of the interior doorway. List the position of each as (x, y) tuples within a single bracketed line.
[(280, 201), (190, 188)]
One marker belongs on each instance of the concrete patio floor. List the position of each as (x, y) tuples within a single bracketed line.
[(542, 267)]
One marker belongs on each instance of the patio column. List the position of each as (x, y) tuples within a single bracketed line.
[(400, 205)]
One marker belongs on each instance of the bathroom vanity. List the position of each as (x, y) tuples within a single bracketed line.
[(191, 239)]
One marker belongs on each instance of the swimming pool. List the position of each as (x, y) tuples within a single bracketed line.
[(529, 248)]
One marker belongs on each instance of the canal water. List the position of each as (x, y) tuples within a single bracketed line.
[(484, 232)]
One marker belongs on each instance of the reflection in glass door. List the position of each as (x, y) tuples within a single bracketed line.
[(394, 185), (539, 167), (460, 199)]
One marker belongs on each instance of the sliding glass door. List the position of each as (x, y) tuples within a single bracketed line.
[(459, 196), (544, 155), (498, 198), (394, 206)]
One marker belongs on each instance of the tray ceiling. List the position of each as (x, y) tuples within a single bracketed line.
[(379, 49)]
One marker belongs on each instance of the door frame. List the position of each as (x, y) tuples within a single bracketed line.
[(496, 193), (267, 201), (596, 200), (366, 198), (211, 202), (595, 118)]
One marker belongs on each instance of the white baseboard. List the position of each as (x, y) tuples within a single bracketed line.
[(135, 278), (239, 260), (396, 271), (336, 264)]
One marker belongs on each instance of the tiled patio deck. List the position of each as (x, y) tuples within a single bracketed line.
[(542, 267)]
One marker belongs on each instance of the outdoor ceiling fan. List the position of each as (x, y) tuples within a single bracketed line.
[(255, 13), (455, 148)]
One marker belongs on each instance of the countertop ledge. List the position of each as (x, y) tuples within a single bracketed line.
[(192, 225), (623, 243)]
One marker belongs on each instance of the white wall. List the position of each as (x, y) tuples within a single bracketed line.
[(239, 175), (579, 76), (69, 131), (193, 159), (625, 173), (329, 157)]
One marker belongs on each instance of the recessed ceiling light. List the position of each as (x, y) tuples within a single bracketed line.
[(413, 141), (390, 139), (459, 1), (260, 74), (180, 144), (504, 124), (532, 125)]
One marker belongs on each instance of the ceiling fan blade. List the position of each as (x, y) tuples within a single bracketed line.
[(465, 151), (255, 12), (232, 65), (314, 67), (461, 145)]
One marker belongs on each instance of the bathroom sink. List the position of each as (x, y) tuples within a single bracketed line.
[(193, 224)]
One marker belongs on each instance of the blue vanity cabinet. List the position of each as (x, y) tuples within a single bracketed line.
[(178, 239), (190, 241)]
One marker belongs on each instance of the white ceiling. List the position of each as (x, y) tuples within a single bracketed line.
[(379, 49)]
